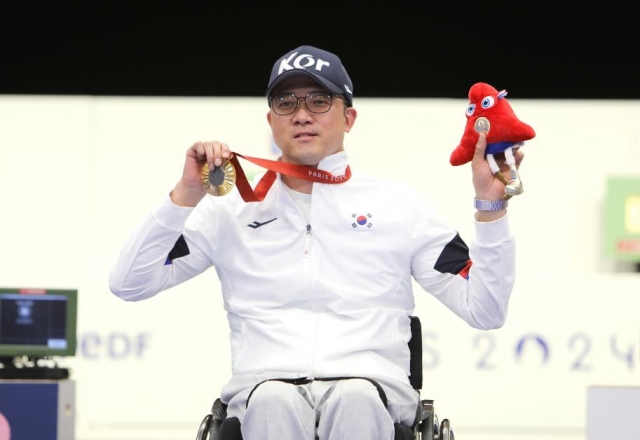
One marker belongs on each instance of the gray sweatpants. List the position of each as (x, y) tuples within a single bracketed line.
[(327, 410)]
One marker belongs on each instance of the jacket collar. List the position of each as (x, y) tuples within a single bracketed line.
[(335, 163)]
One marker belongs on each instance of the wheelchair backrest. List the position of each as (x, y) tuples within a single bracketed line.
[(415, 348)]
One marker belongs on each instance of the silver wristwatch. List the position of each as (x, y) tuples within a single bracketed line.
[(490, 205)]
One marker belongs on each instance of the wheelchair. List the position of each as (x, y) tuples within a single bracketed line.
[(216, 425)]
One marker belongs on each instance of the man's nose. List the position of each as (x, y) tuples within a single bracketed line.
[(299, 108)]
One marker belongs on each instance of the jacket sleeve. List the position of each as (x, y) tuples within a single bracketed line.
[(154, 257), (476, 282)]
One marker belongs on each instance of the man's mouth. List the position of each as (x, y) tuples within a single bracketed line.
[(304, 134)]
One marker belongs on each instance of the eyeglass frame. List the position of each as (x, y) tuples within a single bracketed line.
[(304, 98)]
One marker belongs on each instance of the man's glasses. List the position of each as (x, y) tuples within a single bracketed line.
[(284, 105)]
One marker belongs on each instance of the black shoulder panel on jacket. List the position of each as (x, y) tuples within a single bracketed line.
[(454, 257), (180, 249)]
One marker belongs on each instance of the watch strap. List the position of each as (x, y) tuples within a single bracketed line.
[(490, 205)]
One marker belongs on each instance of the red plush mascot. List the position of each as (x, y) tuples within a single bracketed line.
[(489, 112)]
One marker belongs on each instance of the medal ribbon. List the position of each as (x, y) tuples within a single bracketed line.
[(273, 166)]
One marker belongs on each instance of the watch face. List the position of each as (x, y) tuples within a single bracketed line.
[(220, 180)]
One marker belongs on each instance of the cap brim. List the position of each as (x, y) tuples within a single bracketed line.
[(296, 72)]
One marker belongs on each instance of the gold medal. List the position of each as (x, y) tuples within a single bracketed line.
[(219, 181), (482, 125)]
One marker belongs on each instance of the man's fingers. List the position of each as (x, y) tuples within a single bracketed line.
[(519, 155), (481, 147), (213, 153)]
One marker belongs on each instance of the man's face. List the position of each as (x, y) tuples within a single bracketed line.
[(305, 137)]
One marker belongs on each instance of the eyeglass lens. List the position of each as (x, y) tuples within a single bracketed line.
[(315, 102)]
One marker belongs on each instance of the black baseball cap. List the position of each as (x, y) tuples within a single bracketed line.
[(323, 66)]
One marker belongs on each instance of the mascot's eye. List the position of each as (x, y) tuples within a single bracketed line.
[(470, 109), (488, 102)]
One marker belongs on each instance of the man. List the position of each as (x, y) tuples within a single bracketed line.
[(316, 269)]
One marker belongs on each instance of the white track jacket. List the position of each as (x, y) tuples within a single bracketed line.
[(329, 298)]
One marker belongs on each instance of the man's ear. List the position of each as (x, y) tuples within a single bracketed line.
[(350, 115)]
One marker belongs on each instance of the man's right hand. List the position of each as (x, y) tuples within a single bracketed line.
[(189, 190)]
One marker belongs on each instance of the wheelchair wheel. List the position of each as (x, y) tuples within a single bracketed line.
[(445, 430), (209, 428), (436, 427), (203, 430)]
